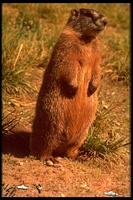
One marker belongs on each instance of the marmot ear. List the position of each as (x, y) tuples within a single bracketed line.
[(74, 13)]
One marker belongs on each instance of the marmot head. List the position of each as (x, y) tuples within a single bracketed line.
[(87, 21)]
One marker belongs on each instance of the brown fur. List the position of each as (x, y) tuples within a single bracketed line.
[(67, 100)]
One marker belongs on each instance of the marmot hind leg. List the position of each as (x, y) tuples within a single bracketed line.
[(70, 151)]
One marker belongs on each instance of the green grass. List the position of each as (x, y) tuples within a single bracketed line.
[(28, 38), (118, 58), (29, 32), (100, 141)]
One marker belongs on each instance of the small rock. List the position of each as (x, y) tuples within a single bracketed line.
[(117, 123), (58, 159), (57, 165), (62, 195), (62, 169), (21, 163), (49, 163), (109, 71), (105, 106), (83, 185), (97, 195), (113, 93)]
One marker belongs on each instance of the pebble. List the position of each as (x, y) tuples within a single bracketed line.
[(117, 123), (49, 163), (21, 163), (62, 169), (57, 165), (83, 185), (105, 106), (113, 93), (58, 158), (62, 195)]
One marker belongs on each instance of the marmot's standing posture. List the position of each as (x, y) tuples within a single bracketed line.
[(67, 100)]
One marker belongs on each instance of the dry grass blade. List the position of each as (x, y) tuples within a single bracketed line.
[(8, 123), (20, 48)]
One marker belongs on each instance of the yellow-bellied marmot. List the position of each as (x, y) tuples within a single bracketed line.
[(67, 100)]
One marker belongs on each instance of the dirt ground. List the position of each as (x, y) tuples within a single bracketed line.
[(69, 179), (73, 178)]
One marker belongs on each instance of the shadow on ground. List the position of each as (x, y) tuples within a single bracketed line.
[(16, 142)]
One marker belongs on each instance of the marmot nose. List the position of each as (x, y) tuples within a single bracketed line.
[(104, 21)]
